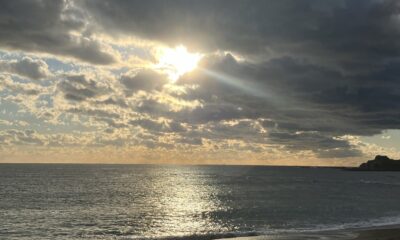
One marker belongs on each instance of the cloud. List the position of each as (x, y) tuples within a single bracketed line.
[(324, 146), (50, 26), (101, 114), (28, 89), (27, 137), (81, 87), (160, 126), (145, 80), (26, 67), (114, 100)]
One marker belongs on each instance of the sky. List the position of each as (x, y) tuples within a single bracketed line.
[(288, 82)]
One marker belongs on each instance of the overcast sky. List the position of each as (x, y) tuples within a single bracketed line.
[(220, 82)]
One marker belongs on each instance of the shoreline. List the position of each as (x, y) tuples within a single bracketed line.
[(392, 233), (384, 232), (388, 232)]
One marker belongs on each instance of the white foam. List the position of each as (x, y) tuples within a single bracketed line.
[(367, 224)]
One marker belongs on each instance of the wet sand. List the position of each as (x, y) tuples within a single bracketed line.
[(379, 234)]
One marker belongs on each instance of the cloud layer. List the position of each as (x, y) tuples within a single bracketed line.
[(291, 79)]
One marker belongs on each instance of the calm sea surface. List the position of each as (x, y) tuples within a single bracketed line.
[(190, 202)]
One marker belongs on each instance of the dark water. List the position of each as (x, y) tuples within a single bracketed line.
[(191, 202)]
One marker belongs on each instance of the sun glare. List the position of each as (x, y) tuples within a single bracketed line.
[(178, 61)]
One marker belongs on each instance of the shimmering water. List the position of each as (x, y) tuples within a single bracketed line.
[(204, 202)]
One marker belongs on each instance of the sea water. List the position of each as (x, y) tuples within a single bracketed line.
[(53, 201)]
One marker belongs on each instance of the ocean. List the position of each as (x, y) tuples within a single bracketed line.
[(73, 201)]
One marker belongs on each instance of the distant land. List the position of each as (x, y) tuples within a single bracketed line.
[(380, 163)]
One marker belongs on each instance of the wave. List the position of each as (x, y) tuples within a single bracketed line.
[(380, 182), (314, 232), (372, 223), (365, 224)]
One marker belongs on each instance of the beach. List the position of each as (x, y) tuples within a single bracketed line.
[(380, 233)]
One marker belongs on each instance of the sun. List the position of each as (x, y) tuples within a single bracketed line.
[(177, 61)]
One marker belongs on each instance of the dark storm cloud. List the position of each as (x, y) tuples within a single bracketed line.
[(348, 33), (46, 26), (307, 105), (302, 90), (210, 24)]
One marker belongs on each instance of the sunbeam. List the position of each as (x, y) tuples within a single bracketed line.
[(247, 87)]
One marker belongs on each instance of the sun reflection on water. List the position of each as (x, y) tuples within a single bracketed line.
[(185, 203)]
